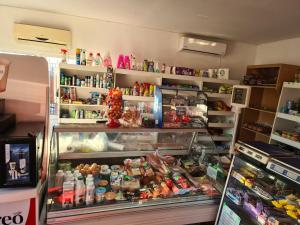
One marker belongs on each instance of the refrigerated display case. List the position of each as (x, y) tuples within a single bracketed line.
[(136, 175), (263, 187)]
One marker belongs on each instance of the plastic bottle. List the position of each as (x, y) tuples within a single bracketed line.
[(90, 59), (59, 178), (68, 194), (136, 89), (83, 57), (78, 51), (107, 60), (80, 191), (98, 61), (90, 192), (97, 80), (64, 55)]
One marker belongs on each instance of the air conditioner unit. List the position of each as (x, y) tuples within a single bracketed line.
[(42, 36), (202, 45)]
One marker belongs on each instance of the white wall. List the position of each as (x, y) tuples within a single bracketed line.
[(285, 51), (96, 35), (26, 90)]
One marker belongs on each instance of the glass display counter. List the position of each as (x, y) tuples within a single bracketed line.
[(95, 171)]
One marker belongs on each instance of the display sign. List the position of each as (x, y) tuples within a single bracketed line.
[(228, 216), (240, 96), (19, 212), (17, 163)]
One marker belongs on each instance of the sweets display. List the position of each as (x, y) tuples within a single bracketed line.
[(292, 135), (264, 197), (114, 102), (139, 89), (152, 177)]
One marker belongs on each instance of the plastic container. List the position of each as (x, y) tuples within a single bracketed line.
[(80, 191), (90, 193), (100, 194)]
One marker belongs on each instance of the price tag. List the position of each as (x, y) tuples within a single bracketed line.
[(212, 172)]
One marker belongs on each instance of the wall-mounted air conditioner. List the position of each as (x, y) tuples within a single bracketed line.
[(202, 46), (42, 36)]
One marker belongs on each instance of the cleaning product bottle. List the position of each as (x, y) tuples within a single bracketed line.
[(83, 57), (90, 59), (79, 191), (107, 60), (64, 55), (98, 60)]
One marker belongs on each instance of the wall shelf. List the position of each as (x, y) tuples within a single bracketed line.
[(285, 116), (80, 121), (138, 98), (261, 110), (83, 105), (220, 113), (72, 68), (100, 90), (221, 125), (257, 132), (285, 141), (217, 95)]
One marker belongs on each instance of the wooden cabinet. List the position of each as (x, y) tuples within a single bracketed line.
[(266, 82)]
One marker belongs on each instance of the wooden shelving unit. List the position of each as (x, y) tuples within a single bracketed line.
[(264, 98), (284, 121)]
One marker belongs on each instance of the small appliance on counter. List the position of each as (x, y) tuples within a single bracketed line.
[(21, 153)]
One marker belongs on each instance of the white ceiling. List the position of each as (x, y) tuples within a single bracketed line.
[(252, 21)]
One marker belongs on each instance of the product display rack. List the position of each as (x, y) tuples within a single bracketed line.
[(125, 78), (284, 121), (182, 143), (262, 183), (258, 119)]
